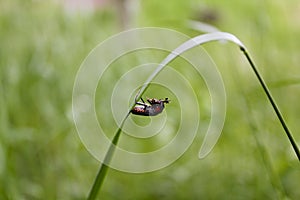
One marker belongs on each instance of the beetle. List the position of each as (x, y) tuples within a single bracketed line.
[(156, 106)]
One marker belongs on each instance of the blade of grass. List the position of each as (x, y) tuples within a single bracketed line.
[(104, 166), (196, 41), (215, 36), (274, 105)]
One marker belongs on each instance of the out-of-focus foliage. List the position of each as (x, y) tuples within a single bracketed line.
[(42, 47)]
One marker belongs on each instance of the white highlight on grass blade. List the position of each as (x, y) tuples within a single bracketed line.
[(213, 132)]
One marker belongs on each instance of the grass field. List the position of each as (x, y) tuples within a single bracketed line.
[(43, 46)]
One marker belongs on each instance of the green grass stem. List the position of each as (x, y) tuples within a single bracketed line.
[(196, 41), (104, 166), (274, 105)]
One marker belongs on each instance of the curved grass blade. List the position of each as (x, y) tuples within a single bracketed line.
[(209, 140)]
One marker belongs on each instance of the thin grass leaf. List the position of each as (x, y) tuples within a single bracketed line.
[(103, 168), (210, 139), (274, 105)]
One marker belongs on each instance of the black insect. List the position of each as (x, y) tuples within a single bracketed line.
[(156, 106)]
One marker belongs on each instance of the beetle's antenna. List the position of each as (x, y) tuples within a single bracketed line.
[(167, 100)]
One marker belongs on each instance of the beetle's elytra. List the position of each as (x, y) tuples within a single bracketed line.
[(156, 106)]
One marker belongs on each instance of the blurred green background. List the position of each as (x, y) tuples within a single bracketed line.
[(43, 44)]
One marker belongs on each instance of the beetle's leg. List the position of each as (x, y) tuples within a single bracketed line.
[(149, 100), (142, 104), (139, 103), (145, 105)]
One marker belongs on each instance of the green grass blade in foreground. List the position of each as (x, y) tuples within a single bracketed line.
[(210, 139), (105, 165)]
